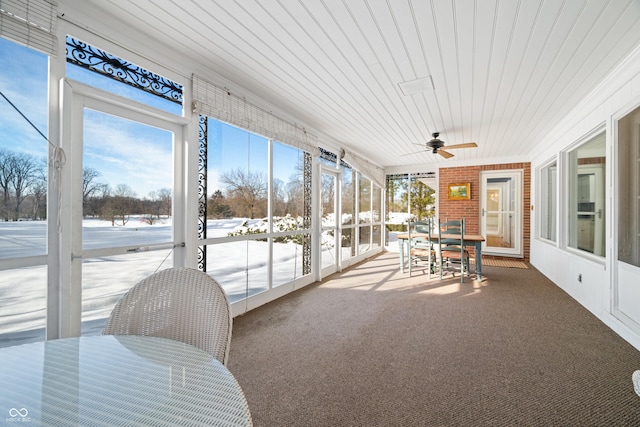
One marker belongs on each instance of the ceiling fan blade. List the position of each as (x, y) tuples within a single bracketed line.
[(415, 152), (444, 154), (465, 145)]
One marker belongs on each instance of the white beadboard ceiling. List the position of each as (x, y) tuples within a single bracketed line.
[(501, 73)]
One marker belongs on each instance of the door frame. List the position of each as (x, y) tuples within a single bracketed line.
[(517, 175), (65, 318)]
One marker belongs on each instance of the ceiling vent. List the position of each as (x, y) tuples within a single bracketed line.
[(416, 86)]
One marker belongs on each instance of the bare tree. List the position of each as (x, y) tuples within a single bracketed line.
[(163, 197), (121, 204), (248, 190), (91, 188), (26, 169), (158, 204), (39, 193), (6, 177), (295, 195), (278, 195)]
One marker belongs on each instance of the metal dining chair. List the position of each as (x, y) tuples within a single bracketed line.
[(453, 254), (182, 304)]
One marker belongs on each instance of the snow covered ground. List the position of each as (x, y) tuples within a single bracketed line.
[(242, 265)]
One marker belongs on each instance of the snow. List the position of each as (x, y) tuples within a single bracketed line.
[(242, 265)]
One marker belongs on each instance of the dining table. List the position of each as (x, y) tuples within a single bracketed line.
[(117, 380), (474, 240)]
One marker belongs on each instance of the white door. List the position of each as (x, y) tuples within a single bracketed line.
[(330, 224), (501, 212), (117, 227)]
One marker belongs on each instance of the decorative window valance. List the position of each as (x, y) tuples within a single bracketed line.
[(219, 103), (31, 23)]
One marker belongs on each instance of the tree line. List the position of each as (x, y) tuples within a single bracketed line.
[(118, 204), (23, 191), (246, 194), (23, 187)]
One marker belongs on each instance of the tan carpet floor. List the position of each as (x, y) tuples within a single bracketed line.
[(373, 347)]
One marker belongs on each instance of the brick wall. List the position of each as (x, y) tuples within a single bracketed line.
[(470, 209)]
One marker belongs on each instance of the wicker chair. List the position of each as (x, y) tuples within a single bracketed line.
[(182, 304), (636, 382)]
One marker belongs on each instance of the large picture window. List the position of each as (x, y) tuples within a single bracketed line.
[(256, 232), (23, 194)]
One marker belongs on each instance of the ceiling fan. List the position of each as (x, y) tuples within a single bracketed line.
[(436, 145)]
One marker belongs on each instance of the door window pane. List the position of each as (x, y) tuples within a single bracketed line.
[(629, 188), (501, 212), (587, 166), (127, 182), (103, 284)]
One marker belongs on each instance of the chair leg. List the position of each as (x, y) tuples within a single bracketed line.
[(468, 267)]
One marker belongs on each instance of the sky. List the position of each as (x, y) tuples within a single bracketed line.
[(123, 151), (22, 88)]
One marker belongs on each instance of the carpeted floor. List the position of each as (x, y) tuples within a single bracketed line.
[(374, 347)]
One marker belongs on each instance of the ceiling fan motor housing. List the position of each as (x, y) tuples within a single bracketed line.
[(435, 143)]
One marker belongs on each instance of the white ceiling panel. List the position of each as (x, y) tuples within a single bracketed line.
[(503, 72)]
